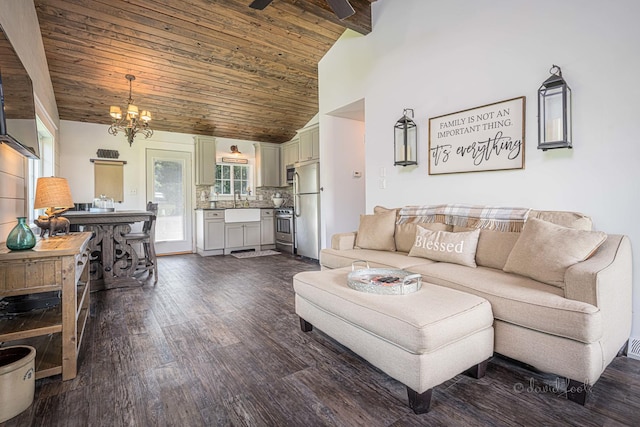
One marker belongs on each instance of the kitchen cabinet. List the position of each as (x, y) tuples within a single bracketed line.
[(241, 235), (309, 143), (289, 154), (210, 232), (267, 164), (57, 264), (267, 229), (205, 159)]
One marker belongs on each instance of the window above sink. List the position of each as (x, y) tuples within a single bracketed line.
[(232, 178)]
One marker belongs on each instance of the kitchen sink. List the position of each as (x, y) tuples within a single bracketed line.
[(241, 215)]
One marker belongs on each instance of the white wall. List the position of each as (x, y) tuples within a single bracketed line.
[(80, 143), (441, 57), (342, 74), (343, 196)]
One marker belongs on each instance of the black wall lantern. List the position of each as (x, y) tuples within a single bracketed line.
[(554, 112), (405, 140)]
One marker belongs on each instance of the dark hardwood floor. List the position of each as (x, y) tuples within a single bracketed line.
[(217, 342)]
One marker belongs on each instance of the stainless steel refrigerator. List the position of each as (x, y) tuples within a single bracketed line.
[(306, 201)]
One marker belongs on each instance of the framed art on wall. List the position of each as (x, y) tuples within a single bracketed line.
[(485, 138)]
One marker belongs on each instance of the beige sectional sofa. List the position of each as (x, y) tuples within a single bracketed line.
[(558, 305)]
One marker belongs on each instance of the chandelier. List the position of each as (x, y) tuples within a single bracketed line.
[(132, 122)]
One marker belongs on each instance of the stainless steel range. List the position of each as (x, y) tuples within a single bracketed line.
[(285, 230)]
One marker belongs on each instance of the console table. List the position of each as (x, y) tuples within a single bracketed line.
[(113, 260), (58, 263)]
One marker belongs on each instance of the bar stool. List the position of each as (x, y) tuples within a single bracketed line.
[(147, 238)]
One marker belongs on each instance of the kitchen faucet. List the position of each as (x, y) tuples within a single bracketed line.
[(235, 193)]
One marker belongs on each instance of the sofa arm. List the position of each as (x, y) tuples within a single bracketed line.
[(606, 273), (605, 280), (343, 241)]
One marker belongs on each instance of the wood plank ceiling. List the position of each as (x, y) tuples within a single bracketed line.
[(205, 67)]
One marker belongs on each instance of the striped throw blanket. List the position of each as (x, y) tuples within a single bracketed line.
[(487, 217)]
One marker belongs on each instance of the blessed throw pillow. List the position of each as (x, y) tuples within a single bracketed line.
[(544, 250), (457, 248), (376, 231), (406, 233)]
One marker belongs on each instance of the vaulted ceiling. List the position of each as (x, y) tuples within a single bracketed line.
[(205, 67)]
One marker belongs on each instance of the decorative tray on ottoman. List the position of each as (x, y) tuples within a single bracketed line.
[(383, 281)]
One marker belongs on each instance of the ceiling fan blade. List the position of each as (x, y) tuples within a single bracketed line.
[(342, 8), (260, 4)]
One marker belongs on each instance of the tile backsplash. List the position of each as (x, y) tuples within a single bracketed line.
[(203, 199)]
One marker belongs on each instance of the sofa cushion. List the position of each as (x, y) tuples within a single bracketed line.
[(377, 231), (398, 319), (521, 300), (494, 248), (332, 258), (382, 209), (566, 219), (458, 248), (544, 250)]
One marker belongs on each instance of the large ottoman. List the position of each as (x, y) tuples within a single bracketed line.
[(421, 339)]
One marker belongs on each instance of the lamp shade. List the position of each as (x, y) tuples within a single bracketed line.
[(132, 111), (115, 112), (53, 192)]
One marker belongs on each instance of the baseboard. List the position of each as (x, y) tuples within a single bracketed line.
[(634, 348)]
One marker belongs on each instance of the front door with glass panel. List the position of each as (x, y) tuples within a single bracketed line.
[(168, 185)]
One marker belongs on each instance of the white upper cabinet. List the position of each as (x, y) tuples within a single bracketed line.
[(205, 154), (267, 164), (309, 143), (290, 152)]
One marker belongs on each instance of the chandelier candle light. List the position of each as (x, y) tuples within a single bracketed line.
[(132, 122)]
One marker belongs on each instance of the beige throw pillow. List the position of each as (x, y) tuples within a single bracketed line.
[(494, 248), (564, 218), (382, 209), (544, 250), (457, 248), (376, 231)]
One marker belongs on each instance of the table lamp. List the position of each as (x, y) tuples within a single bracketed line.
[(53, 193)]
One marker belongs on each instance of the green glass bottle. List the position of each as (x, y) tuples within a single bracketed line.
[(21, 237)]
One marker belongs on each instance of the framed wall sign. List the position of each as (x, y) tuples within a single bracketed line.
[(486, 138), (235, 160)]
